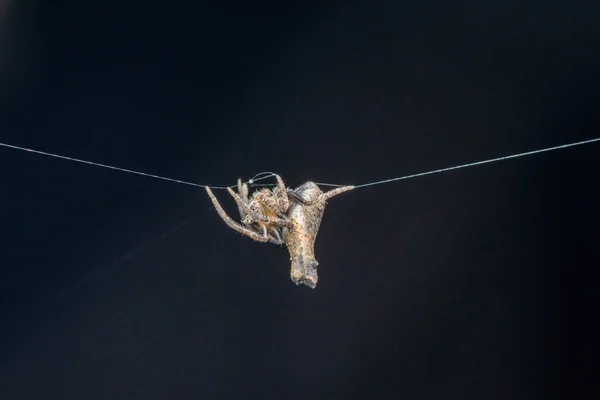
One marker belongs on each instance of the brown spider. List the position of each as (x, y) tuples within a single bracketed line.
[(283, 216)]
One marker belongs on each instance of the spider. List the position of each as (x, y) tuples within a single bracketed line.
[(283, 216)]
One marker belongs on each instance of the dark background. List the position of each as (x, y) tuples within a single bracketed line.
[(471, 284)]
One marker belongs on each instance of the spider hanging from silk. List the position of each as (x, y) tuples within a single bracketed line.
[(283, 216), (290, 216)]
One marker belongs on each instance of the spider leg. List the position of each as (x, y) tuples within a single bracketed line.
[(234, 225), (242, 205), (243, 192), (275, 241), (334, 192), (280, 183), (277, 221), (328, 195), (293, 195), (275, 236), (280, 200), (243, 189)]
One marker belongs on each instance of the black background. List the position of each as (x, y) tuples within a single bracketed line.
[(472, 284)]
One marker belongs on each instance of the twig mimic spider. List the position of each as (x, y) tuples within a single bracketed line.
[(283, 216)]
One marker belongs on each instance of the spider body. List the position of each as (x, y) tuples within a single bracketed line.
[(300, 240), (283, 216)]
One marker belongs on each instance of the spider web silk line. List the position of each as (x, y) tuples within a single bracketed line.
[(328, 184), (109, 166), (266, 175), (437, 171)]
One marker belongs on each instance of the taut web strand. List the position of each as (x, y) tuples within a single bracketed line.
[(437, 171), (265, 175)]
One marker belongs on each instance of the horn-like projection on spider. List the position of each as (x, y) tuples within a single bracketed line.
[(283, 216)]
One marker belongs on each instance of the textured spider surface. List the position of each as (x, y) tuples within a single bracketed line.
[(283, 216)]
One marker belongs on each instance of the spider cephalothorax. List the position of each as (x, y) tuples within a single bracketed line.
[(283, 215)]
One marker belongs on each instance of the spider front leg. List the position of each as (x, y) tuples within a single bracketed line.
[(234, 225), (323, 197), (326, 196)]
